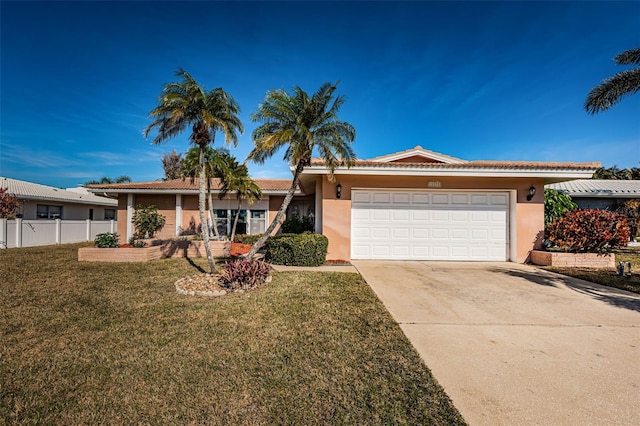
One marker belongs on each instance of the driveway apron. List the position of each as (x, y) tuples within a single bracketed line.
[(512, 344)]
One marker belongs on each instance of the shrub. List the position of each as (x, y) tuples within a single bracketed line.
[(297, 249), (246, 239), (631, 210), (8, 205), (147, 221), (589, 231), (244, 274), (555, 204), (297, 225), (106, 240), (136, 243)]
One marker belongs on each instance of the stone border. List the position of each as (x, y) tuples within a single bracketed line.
[(181, 290), (572, 260)]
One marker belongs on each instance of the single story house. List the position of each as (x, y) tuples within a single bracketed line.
[(601, 194), (411, 205), (46, 202)]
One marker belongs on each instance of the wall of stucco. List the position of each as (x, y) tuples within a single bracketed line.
[(336, 213)]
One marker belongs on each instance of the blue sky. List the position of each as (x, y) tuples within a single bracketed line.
[(476, 80)]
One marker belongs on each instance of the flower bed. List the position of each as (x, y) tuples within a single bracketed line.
[(155, 249), (572, 260)]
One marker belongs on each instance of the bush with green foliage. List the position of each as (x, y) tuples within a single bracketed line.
[(244, 274), (136, 243), (246, 238), (555, 204), (297, 249), (106, 240), (589, 231), (147, 221), (297, 225)]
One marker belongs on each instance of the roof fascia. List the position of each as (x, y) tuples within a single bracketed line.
[(112, 202), (419, 152), (568, 174), (180, 191)]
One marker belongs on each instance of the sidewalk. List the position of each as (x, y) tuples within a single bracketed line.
[(324, 268)]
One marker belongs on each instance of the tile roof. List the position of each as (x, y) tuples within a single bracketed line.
[(599, 188), (33, 191), (266, 185), (477, 164)]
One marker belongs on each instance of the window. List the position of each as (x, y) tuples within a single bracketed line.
[(48, 212), (257, 221), (109, 214), (90, 214), (249, 222), (221, 221)]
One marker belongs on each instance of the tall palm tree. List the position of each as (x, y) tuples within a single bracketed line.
[(185, 105), (245, 188), (301, 124), (217, 164), (613, 89)]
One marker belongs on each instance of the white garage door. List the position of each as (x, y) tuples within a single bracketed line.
[(420, 225)]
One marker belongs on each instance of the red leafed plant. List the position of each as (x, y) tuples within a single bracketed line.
[(8, 204), (244, 274), (238, 249), (589, 231)]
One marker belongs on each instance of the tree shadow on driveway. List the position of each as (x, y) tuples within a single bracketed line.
[(609, 295)]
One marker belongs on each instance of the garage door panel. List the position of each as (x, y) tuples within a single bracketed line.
[(440, 199), (419, 233), (428, 225), (401, 215)]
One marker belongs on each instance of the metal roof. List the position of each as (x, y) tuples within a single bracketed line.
[(599, 188), (33, 191)]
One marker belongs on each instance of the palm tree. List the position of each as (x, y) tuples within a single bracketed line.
[(108, 180), (613, 89), (185, 105), (237, 180), (217, 164), (302, 124)]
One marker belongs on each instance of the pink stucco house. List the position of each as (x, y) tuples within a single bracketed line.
[(411, 205)]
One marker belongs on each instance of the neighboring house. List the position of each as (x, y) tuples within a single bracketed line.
[(46, 202), (599, 193), (411, 205)]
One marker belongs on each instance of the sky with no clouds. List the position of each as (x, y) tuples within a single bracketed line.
[(475, 80)]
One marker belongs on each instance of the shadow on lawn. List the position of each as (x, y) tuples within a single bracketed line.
[(609, 295)]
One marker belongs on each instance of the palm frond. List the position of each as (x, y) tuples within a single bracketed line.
[(612, 90), (629, 57)]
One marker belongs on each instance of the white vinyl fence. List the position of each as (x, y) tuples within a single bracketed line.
[(28, 233)]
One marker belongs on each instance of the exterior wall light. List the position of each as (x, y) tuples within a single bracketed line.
[(532, 192), (338, 190)]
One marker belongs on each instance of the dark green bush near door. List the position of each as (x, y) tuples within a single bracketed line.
[(297, 249)]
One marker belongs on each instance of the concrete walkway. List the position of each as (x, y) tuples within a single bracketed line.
[(515, 345), (322, 268)]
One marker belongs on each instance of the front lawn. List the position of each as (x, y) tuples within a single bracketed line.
[(91, 343), (609, 277)]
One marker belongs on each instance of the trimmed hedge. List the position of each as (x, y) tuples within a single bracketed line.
[(246, 238), (297, 249)]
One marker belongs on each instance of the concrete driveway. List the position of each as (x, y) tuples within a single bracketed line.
[(512, 344)]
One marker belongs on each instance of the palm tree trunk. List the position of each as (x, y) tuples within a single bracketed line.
[(235, 221), (280, 215), (203, 216), (214, 224)]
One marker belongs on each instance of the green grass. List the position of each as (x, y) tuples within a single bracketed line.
[(86, 343), (609, 277)]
